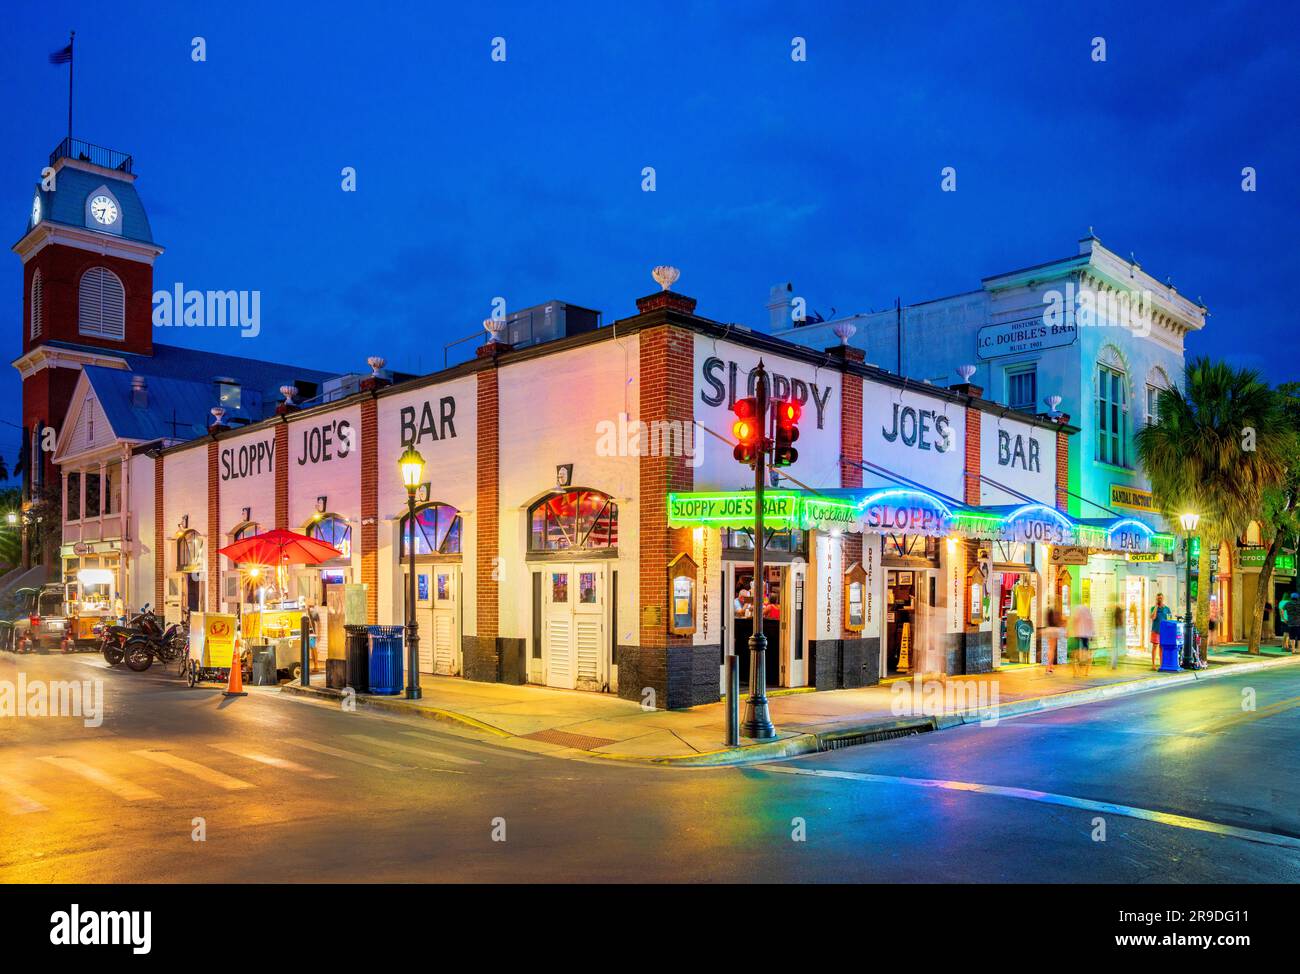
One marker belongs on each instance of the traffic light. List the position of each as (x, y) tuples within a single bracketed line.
[(788, 412), (747, 430)]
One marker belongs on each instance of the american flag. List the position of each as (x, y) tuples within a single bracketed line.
[(62, 56)]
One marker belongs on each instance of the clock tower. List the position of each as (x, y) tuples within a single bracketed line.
[(87, 254)]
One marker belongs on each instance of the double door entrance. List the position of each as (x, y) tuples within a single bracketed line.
[(574, 639), (437, 616), (783, 622)]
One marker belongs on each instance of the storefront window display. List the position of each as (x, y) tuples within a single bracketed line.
[(577, 519)]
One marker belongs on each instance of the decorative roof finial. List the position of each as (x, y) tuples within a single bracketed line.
[(665, 276)]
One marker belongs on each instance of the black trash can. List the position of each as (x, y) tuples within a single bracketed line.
[(264, 673), (358, 657)]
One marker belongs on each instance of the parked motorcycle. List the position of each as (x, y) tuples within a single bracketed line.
[(142, 648), (114, 638)]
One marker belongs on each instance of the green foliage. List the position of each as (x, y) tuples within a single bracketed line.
[(1221, 443)]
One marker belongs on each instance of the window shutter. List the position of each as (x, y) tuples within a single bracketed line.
[(101, 303), (38, 304)]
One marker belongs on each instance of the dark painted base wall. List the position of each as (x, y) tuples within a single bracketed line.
[(680, 676), (845, 663), (489, 659), (979, 652)]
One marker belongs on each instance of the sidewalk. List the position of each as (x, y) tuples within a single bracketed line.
[(571, 723)]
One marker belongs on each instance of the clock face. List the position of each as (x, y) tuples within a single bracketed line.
[(104, 210), (36, 209)]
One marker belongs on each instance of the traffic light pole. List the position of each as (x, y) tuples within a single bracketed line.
[(758, 721)]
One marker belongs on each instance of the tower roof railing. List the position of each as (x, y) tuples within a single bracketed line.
[(79, 149)]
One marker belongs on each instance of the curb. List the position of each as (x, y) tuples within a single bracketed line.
[(809, 742), (393, 707)]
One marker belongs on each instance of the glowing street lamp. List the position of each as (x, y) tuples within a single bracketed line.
[(1189, 521), (412, 467)]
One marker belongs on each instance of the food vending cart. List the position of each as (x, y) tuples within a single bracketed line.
[(89, 601), (280, 629)]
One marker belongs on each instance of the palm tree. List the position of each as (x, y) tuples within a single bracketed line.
[(1218, 444)]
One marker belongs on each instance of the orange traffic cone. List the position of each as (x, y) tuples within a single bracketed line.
[(235, 688)]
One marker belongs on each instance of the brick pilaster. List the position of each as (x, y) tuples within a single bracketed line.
[(281, 475), (370, 506), (487, 509), (1063, 466), (850, 454), (667, 384), (159, 542), (214, 527), (971, 478)]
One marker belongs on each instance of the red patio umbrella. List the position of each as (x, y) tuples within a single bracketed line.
[(280, 547)]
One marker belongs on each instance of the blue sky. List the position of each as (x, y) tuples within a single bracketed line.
[(522, 179)]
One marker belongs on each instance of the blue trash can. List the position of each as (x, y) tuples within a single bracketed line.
[(386, 660), (1171, 645)]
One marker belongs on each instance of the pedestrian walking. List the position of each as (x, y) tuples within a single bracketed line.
[(1081, 629), (1051, 634), (1159, 613), (1117, 635)]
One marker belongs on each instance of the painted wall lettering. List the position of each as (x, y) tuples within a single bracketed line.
[(723, 380), (923, 429), (321, 444), (440, 428), (1018, 451), (249, 460)]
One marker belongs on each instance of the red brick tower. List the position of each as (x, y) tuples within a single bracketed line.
[(87, 255)]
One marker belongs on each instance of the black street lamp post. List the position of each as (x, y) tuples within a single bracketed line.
[(412, 465)]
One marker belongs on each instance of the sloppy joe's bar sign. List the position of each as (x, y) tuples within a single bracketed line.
[(248, 459), (725, 381), (780, 507), (908, 512)]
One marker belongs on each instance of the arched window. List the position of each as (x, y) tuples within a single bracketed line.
[(101, 304), (581, 519), (189, 552), (332, 529), (437, 531), (248, 530), (38, 304)]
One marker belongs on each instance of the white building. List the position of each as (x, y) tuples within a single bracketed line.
[(1093, 329)]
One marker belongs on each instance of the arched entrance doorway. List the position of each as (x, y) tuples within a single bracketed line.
[(572, 548), (435, 536)]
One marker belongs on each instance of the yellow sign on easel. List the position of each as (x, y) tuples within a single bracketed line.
[(904, 647), (218, 639)]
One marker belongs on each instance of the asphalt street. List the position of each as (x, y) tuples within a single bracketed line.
[(185, 785)]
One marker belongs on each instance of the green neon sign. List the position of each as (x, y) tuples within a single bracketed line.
[(731, 509)]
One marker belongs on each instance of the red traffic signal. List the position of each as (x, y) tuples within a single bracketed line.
[(747, 430), (788, 412)]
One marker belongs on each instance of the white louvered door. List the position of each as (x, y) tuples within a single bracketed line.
[(573, 626), (446, 635)]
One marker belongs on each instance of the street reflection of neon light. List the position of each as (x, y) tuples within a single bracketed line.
[(881, 495)]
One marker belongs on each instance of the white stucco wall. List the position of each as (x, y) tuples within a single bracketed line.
[(565, 408), (443, 421)]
